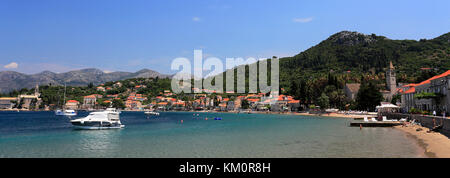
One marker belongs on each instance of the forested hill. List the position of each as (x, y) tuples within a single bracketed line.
[(359, 53), (320, 73)]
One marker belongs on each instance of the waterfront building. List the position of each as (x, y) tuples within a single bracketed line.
[(7, 102), (133, 105), (72, 104), (430, 95), (238, 103), (223, 106), (30, 101), (89, 101), (230, 106), (294, 105)]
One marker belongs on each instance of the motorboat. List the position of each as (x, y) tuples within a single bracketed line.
[(68, 112), (152, 113), (108, 119)]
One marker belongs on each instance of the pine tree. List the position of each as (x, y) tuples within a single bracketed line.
[(369, 96)]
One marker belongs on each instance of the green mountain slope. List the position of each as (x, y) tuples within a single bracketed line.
[(359, 53)]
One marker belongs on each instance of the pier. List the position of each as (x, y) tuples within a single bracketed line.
[(374, 124)]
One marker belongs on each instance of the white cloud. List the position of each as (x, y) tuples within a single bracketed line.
[(12, 65), (303, 20), (108, 71), (196, 19)]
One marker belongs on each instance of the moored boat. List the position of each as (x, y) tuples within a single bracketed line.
[(108, 119), (68, 112), (152, 113)]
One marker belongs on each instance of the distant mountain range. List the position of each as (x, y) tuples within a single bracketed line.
[(10, 80)]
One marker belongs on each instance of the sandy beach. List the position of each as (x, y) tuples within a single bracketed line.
[(435, 144)]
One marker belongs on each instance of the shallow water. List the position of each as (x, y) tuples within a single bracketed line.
[(41, 134)]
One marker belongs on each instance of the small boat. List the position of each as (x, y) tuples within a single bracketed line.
[(108, 119), (152, 113), (65, 112), (218, 118), (68, 112)]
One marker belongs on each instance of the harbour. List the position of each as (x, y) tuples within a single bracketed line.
[(41, 134)]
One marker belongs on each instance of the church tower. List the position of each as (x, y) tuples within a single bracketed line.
[(36, 91), (391, 81)]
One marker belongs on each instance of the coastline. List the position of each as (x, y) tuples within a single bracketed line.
[(435, 144)]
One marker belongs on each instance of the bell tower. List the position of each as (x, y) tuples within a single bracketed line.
[(391, 82), (36, 91)]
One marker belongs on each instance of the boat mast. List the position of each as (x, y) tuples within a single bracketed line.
[(64, 103)]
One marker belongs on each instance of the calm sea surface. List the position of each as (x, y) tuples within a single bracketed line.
[(41, 134)]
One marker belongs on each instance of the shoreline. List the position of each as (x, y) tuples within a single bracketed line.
[(350, 116), (435, 144)]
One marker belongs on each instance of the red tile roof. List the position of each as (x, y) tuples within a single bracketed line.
[(411, 90), (90, 96), (253, 100), (435, 77), (412, 86)]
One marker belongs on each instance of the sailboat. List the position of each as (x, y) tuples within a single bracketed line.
[(65, 112)]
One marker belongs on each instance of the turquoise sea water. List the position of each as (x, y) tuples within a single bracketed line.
[(41, 134)]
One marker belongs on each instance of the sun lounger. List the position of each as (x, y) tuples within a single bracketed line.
[(374, 120), (366, 120)]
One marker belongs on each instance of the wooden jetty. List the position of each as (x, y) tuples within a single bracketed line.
[(374, 124)]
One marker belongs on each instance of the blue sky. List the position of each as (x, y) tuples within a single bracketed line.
[(119, 35)]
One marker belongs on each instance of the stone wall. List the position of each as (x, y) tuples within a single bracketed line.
[(426, 121)]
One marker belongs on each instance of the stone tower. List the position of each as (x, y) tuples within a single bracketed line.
[(391, 81), (36, 91)]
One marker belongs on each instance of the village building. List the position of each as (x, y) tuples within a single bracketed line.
[(351, 89), (72, 104), (430, 95), (223, 106), (117, 85), (7, 102), (133, 105), (30, 101), (162, 106), (294, 105), (101, 89), (89, 101), (230, 106)]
